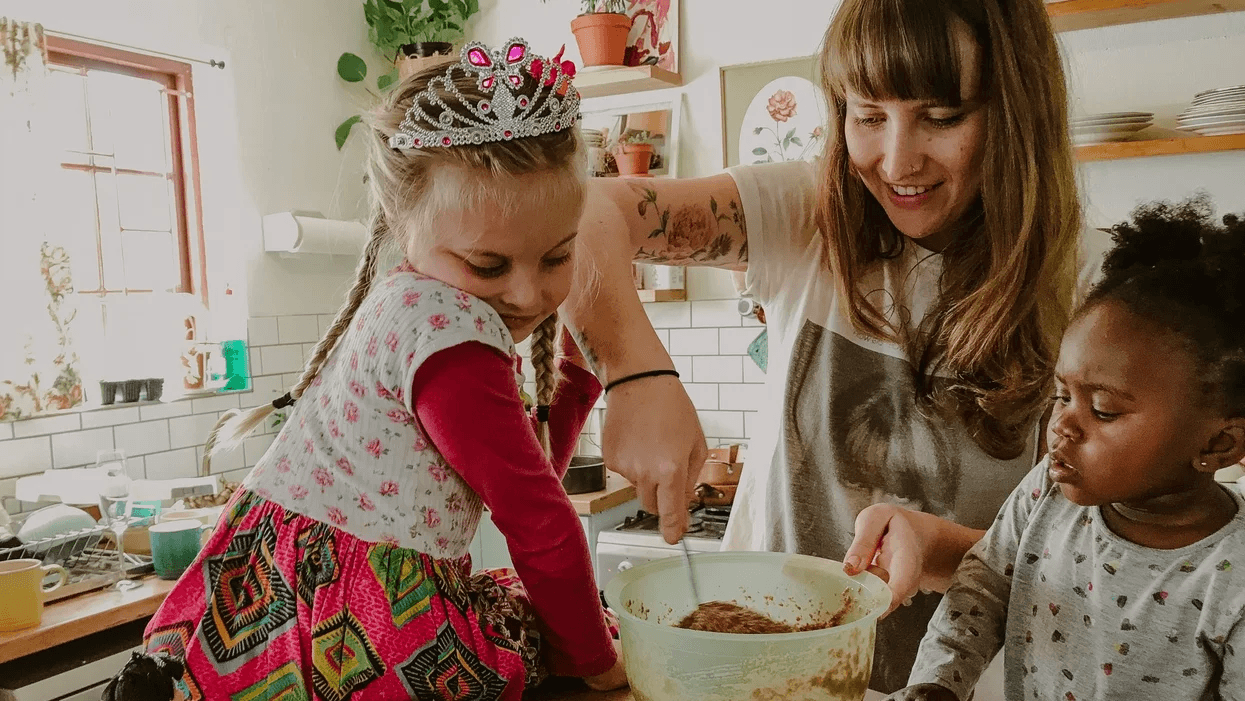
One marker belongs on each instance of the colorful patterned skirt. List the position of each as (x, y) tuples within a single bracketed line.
[(280, 606)]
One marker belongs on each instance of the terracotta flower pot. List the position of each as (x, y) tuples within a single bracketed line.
[(602, 38), (633, 159), (413, 58)]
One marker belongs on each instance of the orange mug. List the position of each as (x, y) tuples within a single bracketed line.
[(22, 590)]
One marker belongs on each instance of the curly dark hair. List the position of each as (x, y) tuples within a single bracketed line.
[(1175, 266)]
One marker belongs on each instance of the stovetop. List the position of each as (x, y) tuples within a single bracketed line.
[(704, 522)]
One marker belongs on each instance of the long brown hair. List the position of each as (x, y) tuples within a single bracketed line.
[(1008, 275), (409, 190)]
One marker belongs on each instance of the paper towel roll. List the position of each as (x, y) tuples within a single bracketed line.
[(287, 232)]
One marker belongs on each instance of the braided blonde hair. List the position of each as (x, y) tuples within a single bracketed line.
[(409, 190)]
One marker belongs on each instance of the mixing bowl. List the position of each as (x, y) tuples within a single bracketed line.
[(665, 663)]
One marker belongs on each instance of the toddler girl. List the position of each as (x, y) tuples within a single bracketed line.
[(340, 570), (1116, 570)]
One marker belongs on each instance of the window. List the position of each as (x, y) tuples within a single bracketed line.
[(128, 190)]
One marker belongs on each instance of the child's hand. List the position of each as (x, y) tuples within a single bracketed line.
[(615, 678), (922, 692)]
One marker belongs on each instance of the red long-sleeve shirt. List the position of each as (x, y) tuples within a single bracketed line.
[(468, 403)]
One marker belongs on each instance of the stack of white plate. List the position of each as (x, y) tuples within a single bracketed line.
[(1109, 126), (593, 137), (1216, 112)]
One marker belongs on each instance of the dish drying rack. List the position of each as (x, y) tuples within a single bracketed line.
[(89, 556)]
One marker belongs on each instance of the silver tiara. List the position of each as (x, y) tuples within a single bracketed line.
[(507, 114)]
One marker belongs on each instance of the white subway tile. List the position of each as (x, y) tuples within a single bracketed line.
[(753, 421), (8, 487), (282, 358), (143, 438), (741, 397), (753, 372), (683, 365), (44, 425), (694, 341), (262, 331), (256, 358), (79, 448), (323, 322), (6, 430), (717, 368), (110, 417), (290, 379), (663, 335), (224, 461), (173, 464), (751, 321), (266, 389), (238, 475), (211, 405), (11, 505), (736, 341), (309, 349), (667, 315), (703, 396), (302, 328), (186, 431), (254, 448), (715, 312), (136, 467), (722, 424), (151, 412), (25, 456)]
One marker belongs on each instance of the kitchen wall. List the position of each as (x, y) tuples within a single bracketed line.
[(265, 126)]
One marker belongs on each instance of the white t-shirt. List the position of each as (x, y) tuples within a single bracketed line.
[(841, 429)]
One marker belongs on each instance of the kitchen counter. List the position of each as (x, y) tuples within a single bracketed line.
[(617, 491), (79, 616)]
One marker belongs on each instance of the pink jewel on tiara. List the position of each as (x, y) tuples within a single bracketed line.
[(548, 104)]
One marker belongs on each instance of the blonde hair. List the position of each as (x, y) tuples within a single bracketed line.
[(1008, 277), (411, 189)]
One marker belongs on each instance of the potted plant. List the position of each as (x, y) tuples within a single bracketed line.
[(601, 32), (633, 152), (413, 34)]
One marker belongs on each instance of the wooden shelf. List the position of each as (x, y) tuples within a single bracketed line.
[(1070, 15), (1160, 147), (662, 295), (626, 79)]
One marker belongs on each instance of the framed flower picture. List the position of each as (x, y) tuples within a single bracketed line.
[(772, 111)]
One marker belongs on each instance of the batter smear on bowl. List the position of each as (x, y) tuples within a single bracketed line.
[(725, 617)]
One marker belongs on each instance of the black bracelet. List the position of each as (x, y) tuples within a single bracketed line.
[(640, 376)]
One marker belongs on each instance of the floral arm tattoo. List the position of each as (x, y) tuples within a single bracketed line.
[(692, 232)]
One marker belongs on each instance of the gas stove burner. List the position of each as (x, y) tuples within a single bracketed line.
[(695, 525), (716, 514)]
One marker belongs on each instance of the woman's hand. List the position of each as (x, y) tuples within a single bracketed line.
[(922, 692), (911, 550), (614, 678), (652, 436)]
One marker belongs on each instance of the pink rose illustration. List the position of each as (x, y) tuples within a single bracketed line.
[(410, 358), (439, 321), (380, 307), (391, 340), (691, 228), (401, 416), (389, 539), (365, 503), (781, 105), (443, 543), (357, 388), (410, 298), (374, 448), (421, 443), (317, 382), (464, 302), (372, 346), (399, 395), (382, 392), (283, 465), (431, 518), (298, 491), (302, 422), (334, 431), (309, 446), (354, 361), (322, 477), (479, 324), (344, 465), (438, 472), (324, 400), (263, 493), (352, 412), (358, 325), (336, 515), (389, 488), (817, 132)]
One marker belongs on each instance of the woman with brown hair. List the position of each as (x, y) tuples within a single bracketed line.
[(915, 282)]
